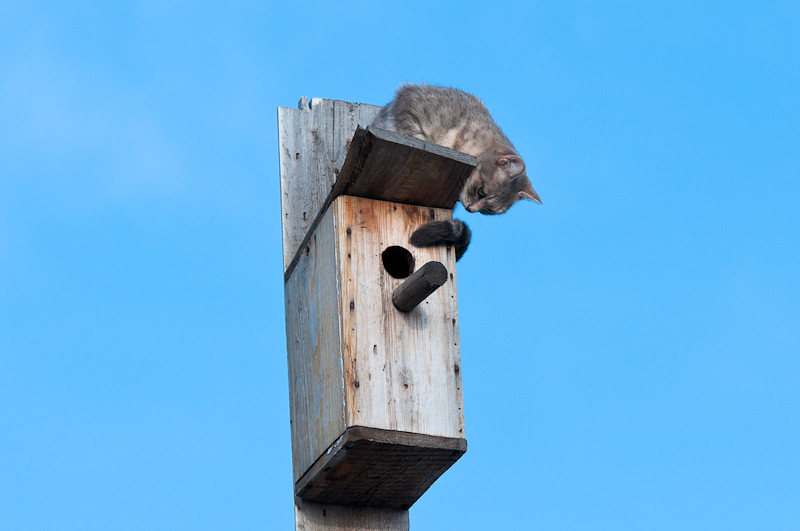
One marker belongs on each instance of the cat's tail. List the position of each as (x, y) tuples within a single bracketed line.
[(453, 232)]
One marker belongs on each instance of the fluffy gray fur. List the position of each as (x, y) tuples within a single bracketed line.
[(448, 231), (452, 118), (458, 120)]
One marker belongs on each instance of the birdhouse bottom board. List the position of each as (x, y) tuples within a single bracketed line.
[(375, 393)]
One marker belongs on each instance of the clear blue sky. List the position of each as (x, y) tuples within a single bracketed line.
[(630, 349)]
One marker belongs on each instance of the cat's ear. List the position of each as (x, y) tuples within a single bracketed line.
[(511, 164), (526, 190)]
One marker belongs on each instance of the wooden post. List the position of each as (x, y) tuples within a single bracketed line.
[(375, 393)]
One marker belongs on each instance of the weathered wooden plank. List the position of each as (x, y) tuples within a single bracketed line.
[(318, 517), (313, 142), (354, 359), (379, 468), (348, 117), (393, 167), (378, 164), (316, 384), (303, 137), (401, 370)]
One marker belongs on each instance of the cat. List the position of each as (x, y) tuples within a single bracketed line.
[(458, 120)]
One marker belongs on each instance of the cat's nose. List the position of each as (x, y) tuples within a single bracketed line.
[(469, 207)]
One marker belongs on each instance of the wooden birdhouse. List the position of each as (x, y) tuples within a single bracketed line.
[(371, 321)]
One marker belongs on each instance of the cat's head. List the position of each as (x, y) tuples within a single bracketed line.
[(497, 182)]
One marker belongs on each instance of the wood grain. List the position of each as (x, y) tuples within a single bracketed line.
[(379, 468), (393, 167), (313, 141), (386, 165), (318, 517), (354, 359), (401, 370), (313, 340)]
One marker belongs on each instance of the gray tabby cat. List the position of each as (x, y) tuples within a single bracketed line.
[(458, 120)]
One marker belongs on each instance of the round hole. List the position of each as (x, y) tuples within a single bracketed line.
[(397, 261)]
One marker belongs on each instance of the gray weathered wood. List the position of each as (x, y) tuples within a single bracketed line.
[(385, 165), (318, 516), (380, 468), (313, 339), (354, 359), (401, 370), (385, 381), (393, 167), (419, 286), (314, 140)]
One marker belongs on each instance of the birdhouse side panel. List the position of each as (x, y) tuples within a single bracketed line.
[(401, 370), (313, 340)]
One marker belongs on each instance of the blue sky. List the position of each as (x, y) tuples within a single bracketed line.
[(629, 349)]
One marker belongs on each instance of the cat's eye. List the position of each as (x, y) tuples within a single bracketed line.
[(481, 192)]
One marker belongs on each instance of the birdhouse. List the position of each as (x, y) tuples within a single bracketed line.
[(371, 321)]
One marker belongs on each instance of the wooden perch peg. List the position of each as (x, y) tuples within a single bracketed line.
[(419, 285)]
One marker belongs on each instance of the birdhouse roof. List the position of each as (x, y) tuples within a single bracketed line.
[(389, 166)]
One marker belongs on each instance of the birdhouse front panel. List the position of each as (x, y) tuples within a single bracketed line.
[(401, 369)]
